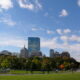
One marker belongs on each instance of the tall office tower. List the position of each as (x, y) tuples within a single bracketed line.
[(51, 53), (33, 44)]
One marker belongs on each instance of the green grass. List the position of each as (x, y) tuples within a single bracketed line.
[(56, 76), (24, 72), (34, 72)]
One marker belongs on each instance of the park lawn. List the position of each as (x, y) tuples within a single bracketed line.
[(56, 76), (23, 72), (34, 72)]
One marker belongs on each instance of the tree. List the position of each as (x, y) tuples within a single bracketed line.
[(66, 65), (37, 63), (46, 65), (28, 64), (32, 67), (5, 64)]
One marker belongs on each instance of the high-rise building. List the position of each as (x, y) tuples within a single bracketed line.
[(24, 53), (54, 54), (33, 44), (51, 53)]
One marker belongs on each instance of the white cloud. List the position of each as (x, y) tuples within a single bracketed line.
[(78, 2), (37, 4), (70, 38), (7, 19), (37, 29), (67, 31), (34, 29), (64, 31), (6, 4), (64, 38), (75, 38), (63, 13), (23, 4), (54, 43), (9, 41), (59, 31), (30, 4), (49, 32), (42, 29), (49, 43)]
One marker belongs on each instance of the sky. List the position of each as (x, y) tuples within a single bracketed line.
[(56, 22)]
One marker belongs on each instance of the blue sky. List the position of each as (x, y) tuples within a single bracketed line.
[(56, 22)]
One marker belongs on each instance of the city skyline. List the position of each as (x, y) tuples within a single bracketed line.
[(55, 22)]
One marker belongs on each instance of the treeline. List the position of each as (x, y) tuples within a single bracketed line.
[(38, 64)]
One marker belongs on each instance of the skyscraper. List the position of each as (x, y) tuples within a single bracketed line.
[(33, 44), (51, 53)]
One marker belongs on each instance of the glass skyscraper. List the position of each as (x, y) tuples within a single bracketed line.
[(33, 44)]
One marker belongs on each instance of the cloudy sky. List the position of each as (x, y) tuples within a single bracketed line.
[(56, 22)]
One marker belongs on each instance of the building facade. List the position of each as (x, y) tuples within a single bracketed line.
[(24, 53), (54, 54), (33, 44), (5, 53), (57, 54), (51, 53), (38, 54), (65, 54)]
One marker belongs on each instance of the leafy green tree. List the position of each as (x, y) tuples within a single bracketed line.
[(37, 63), (5, 64), (32, 67), (66, 65), (27, 64), (46, 65)]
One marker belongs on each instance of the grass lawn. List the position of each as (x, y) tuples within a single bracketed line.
[(56, 76), (23, 72), (34, 72)]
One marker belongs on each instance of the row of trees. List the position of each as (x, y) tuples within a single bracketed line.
[(38, 64)]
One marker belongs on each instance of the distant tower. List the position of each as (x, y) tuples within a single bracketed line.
[(24, 53), (33, 44), (51, 53)]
